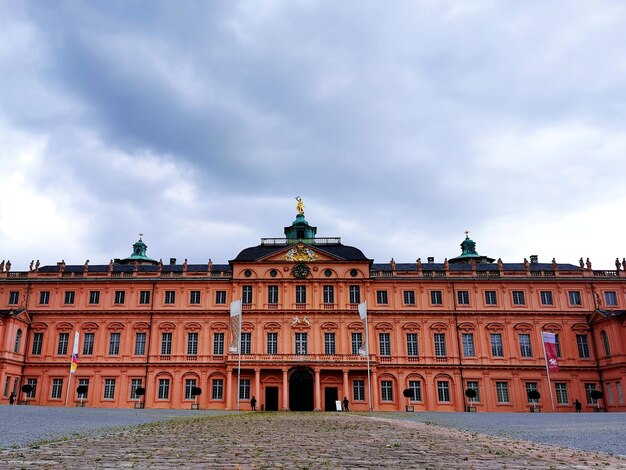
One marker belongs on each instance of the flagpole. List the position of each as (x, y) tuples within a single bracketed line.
[(545, 356), (72, 365), (69, 385), (367, 350), (239, 365)]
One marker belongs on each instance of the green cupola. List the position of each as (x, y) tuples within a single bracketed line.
[(139, 254), (300, 228), (468, 252)]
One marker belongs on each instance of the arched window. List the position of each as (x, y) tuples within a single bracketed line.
[(605, 342), (18, 341)]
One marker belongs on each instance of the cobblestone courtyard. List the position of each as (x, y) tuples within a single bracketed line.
[(296, 440)]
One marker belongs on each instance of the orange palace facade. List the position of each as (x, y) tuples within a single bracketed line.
[(438, 329)]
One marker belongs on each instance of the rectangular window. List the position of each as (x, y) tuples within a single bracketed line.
[(140, 344), (355, 294), (583, 346), (69, 297), (301, 343), (218, 344), (518, 297), (574, 297), (114, 344), (524, 345), (109, 389), (57, 388), (192, 343), (144, 297), (532, 387), (134, 385), (83, 383), (14, 297), (88, 341), (546, 297), (217, 389), (220, 297), (436, 297), (37, 343), (358, 390), (120, 297), (384, 342), (609, 393), (502, 390), (272, 295), (409, 297), (166, 344), (190, 384), (246, 343), (194, 297), (357, 342), (381, 297), (416, 388), (246, 295), (44, 297), (610, 298), (33, 384), (412, 346), (329, 343), (329, 295), (562, 397), (558, 345), (497, 349), (463, 297), (440, 344), (164, 389), (620, 393), (7, 384), (244, 389), (386, 390), (301, 294), (588, 389), (443, 391), (272, 343), (62, 346), (170, 297), (94, 297), (491, 298), (468, 344), (473, 385)]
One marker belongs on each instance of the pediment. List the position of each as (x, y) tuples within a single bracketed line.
[(90, 326), (299, 253)]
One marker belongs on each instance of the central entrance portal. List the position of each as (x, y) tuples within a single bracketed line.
[(330, 399), (271, 398), (301, 390)]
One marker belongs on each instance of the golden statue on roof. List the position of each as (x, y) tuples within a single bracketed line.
[(300, 206)]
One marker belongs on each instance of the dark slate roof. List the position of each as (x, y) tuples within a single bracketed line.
[(479, 267), (344, 252), (610, 313), (129, 268)]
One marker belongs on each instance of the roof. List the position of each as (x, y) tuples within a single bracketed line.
[(479, 267), (343, 252)]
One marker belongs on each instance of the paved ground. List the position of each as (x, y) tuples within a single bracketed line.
[(297, 440)]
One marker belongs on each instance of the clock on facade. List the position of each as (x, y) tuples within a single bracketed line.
[(301, 271)]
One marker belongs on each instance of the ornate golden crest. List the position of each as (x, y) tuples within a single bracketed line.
[(300, 253)]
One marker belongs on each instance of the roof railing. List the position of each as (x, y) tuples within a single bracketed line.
[(293, 241)]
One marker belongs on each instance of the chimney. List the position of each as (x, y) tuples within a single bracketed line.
[(172, 261), (431, 259), (534, 259)]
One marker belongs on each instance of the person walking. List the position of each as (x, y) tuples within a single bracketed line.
[(345, 404), (253, 403), (11, 398), (578, 406)]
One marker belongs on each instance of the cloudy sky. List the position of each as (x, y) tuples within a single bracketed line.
[(400, 124)]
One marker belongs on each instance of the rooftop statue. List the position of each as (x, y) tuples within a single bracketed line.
[(300, 206)]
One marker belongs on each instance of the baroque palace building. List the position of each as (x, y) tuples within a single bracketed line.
[(438, 329)]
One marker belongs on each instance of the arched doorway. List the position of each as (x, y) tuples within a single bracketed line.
[(301, 389)]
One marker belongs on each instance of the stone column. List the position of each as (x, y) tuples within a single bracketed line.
[(346, 385), (374, 386), (285, 391), (257, 385), (229, 390), (318, 391)]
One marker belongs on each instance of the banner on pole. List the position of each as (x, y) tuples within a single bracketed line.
[(235, 326), (74, 363), (549, 344)]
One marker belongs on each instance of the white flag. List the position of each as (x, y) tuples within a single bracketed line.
[(74, 361), (235, 326), (363, 315)]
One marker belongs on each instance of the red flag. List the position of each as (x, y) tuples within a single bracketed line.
[(549, 346)]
